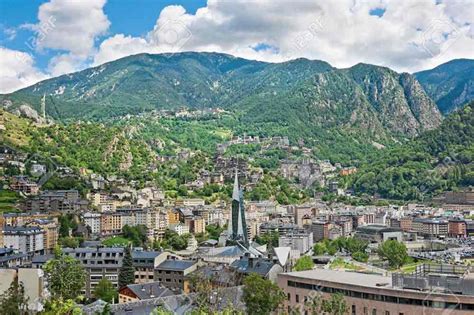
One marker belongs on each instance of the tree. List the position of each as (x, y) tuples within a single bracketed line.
[(69, 241), (161, 311), (336, 305), (319, 249), (105, 290), (13, 301), (261, 295), (360, 256), (394, 252), (126, 272), (61, 307), (304, 263), (65, 276), (270, 238)]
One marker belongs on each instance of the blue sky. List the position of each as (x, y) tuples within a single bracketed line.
[(47, 38), (134, 18)]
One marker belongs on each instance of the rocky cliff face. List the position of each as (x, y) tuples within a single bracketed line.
[(422, 107), (450, 85)]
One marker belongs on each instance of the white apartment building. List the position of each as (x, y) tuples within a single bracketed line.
[(93, 221), (27, 240)]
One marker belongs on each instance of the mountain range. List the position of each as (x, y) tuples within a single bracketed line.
[(299, 93), (450, 85)]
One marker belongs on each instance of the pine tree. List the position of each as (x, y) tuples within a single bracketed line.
[(13, 301), (127, 272)]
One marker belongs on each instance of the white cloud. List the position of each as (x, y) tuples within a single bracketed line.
[(64, 63), (72, 26), (409, 36), (17, 70)]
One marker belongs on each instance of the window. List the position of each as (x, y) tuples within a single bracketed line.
[(297, 297), (374, 311), (354, 310), (289, 297), (387, 313)]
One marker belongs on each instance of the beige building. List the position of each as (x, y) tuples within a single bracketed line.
[(374, 294), (33, 282), (198, 225), (111, 223)]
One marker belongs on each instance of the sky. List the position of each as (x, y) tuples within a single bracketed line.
[(40, 39)]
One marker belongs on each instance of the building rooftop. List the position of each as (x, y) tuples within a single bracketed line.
[(176, 265), (21, 230), (249, 265), (41, 259), (149, 290), (352, 278), (140, 254)]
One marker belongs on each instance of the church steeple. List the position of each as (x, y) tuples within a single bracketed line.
[(237, 224)]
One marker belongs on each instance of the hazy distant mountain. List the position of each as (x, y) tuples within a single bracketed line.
[(450, 85), (301, 94)]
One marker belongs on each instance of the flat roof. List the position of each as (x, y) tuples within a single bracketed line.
[(343, 277), (176, 265)]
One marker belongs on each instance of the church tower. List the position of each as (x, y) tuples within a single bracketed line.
[(237, 230)]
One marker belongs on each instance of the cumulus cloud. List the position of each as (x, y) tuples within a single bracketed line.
[(17, 70), (72, 26), (405, 35)]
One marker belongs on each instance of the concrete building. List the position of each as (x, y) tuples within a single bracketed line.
[(98, 263), (198, 225), (27, 240), (301, 242), (320, 230), (457, 228), (92, 220), (173, 274), (111, 223), (179, 228), (50, 230), (375, 294), (300, 213), (145, 263), (430, 227), (378, 233), (10, 258)]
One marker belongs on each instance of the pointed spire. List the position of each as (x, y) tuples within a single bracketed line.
[(235, 193)]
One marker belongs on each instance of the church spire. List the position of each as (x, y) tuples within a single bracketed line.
[(236, 191)]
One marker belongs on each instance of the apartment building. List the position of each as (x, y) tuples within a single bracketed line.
[(430, 227), (457, 228), (301, 242), (27, 240), (98, 262), (172, 273), (145, 263), (320, 230), (92, 220)]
